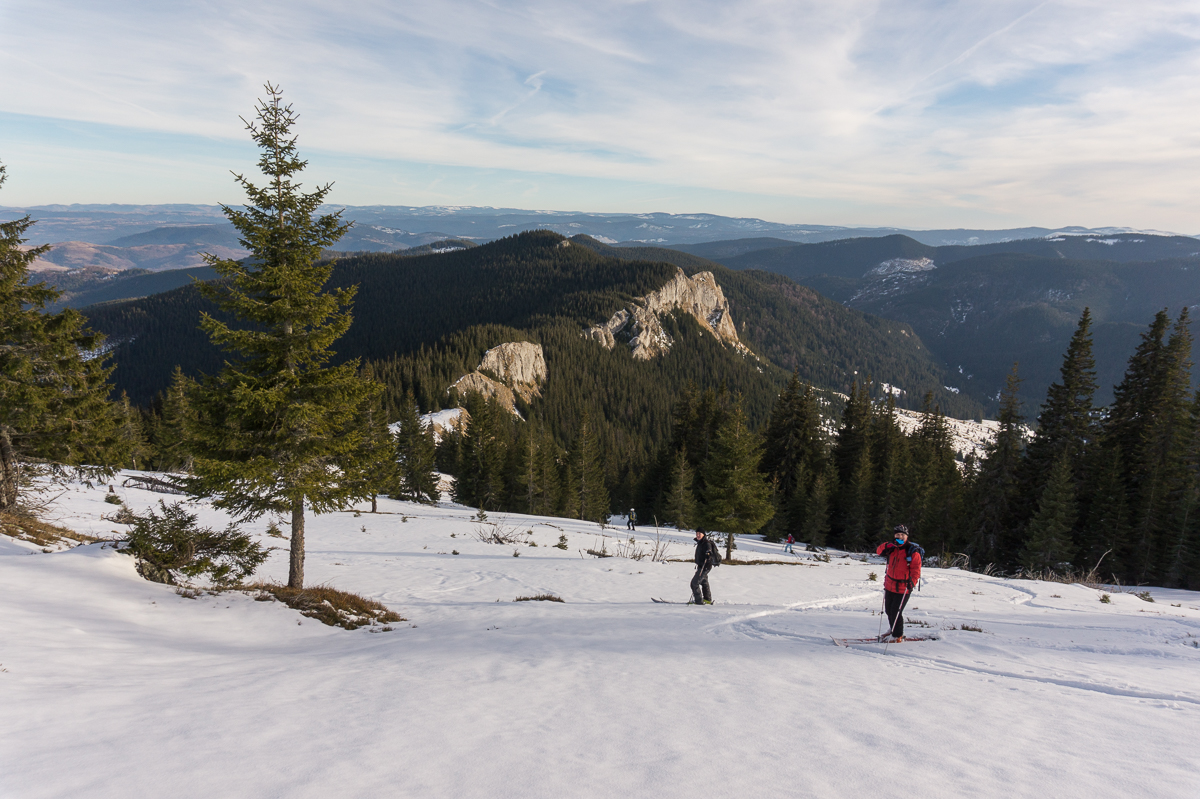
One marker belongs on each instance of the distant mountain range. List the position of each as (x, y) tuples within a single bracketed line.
[(386, 227), (981, 308)]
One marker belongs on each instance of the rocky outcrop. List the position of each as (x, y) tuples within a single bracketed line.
[(510, 370), (519, 364), (639, 322)]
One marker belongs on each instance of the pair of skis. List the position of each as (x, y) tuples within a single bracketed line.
[(670, 602), (883, 639)]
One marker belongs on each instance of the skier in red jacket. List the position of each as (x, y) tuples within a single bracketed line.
[(903, 572)]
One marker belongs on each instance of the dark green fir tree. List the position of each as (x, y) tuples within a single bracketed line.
[(278, 424), (996, 495), (1048, 542), (416, 474), (737, 497), (54, 405)]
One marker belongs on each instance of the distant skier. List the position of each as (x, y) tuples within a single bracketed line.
[(632, 520), (787, 545), (903, 572), (706, 558)]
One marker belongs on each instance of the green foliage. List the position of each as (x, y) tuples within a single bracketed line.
[(276, 425), (53, 397), (416, 478), (1048, 541), (679, 495), (737, 498), (174, 544), (996, 494)]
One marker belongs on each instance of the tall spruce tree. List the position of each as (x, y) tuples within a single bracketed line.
[(172, 448), (852, 460), (1066, 423), (276, 427), (1048, 540), (889, 456), (1107, 543), (992, 538), (416, 477), (479, 481), (737, 497), (1150, 422), (793, 454), (589, 498), (679, 499), (54, 404), (1182, 568), (937, 483)]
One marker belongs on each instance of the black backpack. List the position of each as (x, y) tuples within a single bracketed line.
[(714, 552)]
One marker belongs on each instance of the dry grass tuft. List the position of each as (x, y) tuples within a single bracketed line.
[(539, 598), (23, 525), (326, 605)]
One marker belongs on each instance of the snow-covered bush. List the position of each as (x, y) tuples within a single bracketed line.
[(173, 544)]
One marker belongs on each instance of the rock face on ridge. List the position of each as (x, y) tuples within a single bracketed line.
[(518, 367), (699, 296)]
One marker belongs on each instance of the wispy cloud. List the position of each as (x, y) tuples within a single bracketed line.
[(913, 112)]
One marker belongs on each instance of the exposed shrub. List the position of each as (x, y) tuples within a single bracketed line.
[(1144, 596), (562, 541), (113, 499), (1106, 599), (173, 544), (327, 605), (539, 598)]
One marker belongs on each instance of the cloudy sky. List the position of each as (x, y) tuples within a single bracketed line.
[(909, 113)]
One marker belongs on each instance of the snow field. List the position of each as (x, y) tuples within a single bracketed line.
[(114, 686)]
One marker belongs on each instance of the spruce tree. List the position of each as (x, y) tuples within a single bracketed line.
[(480, 479), (889, 456), (1182, 567), (278, 424), (737, 497), (814, 529), (679, 500), (172, 448), (1048, 542), (1066, 423), (992, 539), (590, 495), (937, 492), (852, 460), (1150, 422), (416, 477), (1107, 543), (54, 404)]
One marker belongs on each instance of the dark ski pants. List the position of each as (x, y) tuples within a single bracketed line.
[(700, 583), (893, 604)]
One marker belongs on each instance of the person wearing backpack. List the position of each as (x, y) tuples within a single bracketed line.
[(902, 574), (787, 545), (707, 557)]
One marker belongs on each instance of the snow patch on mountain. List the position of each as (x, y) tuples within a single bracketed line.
[(894, 276)]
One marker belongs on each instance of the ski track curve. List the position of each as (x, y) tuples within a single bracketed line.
[(809, 605)]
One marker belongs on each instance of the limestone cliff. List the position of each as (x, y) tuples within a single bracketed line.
[(510, 370), (699, 296)]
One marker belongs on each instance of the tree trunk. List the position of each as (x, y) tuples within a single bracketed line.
[(296, 568), (729, 546), (8, 471), (374, 503)]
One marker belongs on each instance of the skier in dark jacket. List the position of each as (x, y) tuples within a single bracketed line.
[(701, 594), (903, 572)]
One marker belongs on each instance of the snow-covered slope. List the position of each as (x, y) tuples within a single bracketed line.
[(111, 686)]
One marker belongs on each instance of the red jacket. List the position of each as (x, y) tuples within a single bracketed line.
[(903, 567)]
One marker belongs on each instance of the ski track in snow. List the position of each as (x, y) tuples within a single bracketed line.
[(111, 686)]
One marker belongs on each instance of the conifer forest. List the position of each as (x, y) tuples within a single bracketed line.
[(259, 387)]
